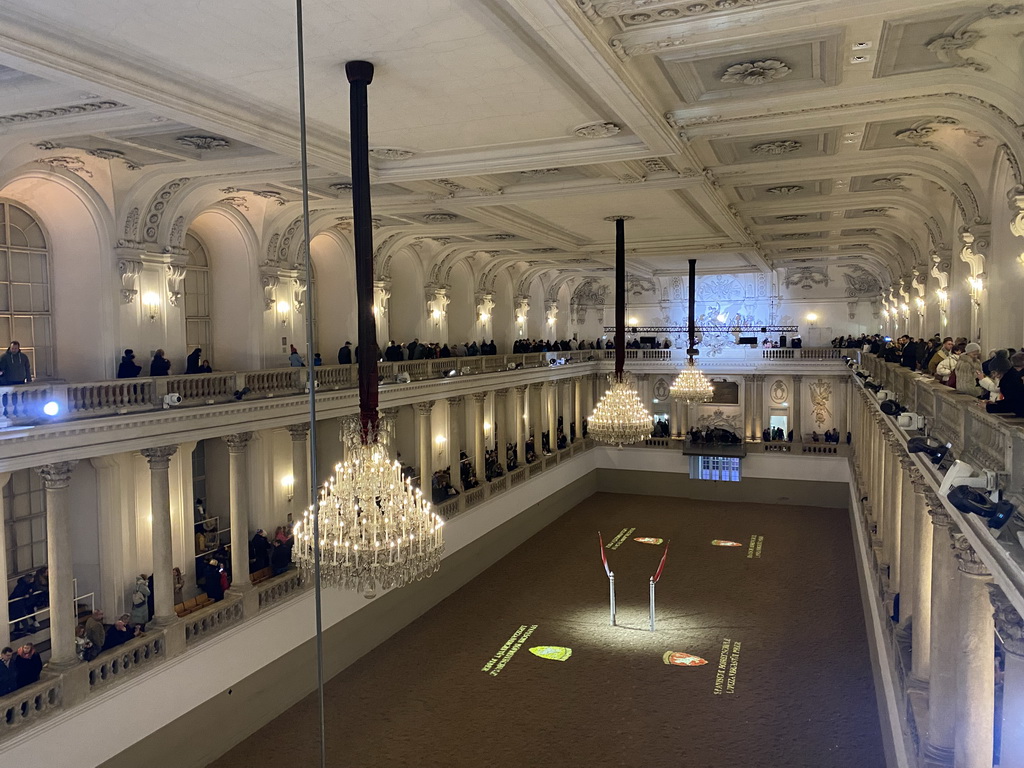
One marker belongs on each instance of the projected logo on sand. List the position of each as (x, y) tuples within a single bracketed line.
[(504, 655), (553, 652), (648, 540), (620, 537), (725, 543), (681, 659), (754, 549)]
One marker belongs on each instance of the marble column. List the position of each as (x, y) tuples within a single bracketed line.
[(758, 424), (677, 418), (1010, 629), (300, 474), (479, 398), (551, 425), (975, 673), (921, 611), (748, 407), (425, 443), (939, 739), (893, 510), (908, 546), (796, 401), (455, 405), (238, 489), (5, 616), (159, 460), (389, 426), (519, 411), (840, 386), (577, 408), (56, 479)]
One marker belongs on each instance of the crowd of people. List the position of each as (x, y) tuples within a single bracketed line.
[(160, 365), (19, 668), (995, 379)]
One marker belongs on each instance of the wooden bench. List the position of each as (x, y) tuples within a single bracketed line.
[(261, 575), (194, 604)]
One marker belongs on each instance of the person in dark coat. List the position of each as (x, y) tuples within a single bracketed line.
[(280, 557), (1011, 387), (27, 665), (128, 369), (160, 366), (8, 676), (259, 551), (214, 587), (192, 364), (345, 354), (15, 367), (21, 602), (119, 634)]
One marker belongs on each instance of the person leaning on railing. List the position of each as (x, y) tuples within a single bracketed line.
[(1011, 387)]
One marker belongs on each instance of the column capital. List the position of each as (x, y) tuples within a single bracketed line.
[(1009, 624), (759, 378), (238, 441), (521, 388), (389, 413), (966, 556), (456, 400), (501, 392), (298, 431), (798, 378), (940, 517), (159, 457), (479, 397), (56, 475), (425, 407)]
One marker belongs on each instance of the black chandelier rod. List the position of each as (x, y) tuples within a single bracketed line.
[(620, 297), (691, 325), (360, 75)]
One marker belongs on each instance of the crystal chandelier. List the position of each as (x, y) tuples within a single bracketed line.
[(369, 529), (620, 418), (691, 386), (376, 531)]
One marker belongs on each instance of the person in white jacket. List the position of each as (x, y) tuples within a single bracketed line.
[(948, 364)]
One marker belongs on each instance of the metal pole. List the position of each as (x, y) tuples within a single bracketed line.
[(611, 597), (620, 297), (652, 604), (317, 596)]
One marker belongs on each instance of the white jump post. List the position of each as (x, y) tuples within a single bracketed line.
[(654, 580), (611, 582)]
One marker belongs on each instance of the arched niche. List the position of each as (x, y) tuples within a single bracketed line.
[(503, 315), (335, 299), (462, 325), (407, 299), (236, 304), (84, 284)]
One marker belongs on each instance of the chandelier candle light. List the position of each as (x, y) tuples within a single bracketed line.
[(620, 418), (691, 386), (370, 529)]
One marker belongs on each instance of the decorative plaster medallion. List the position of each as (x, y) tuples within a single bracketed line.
[(655, 165), (203, 143), (890, 182), (266, 194), (237, 201), (540, 172), (624, 49), (877, 211), (500, 236), (439, 218), (48, 146), (391, 153), (756, 72), (551, 250), (340, 187), (776, 147), (450, 185), (791, 189), (113, 154), (598, 130), (616, 218), (805, 277), (779, 391), (860, 282)]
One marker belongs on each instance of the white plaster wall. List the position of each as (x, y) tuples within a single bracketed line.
[(408, 305), (335, 286), (462, 325)]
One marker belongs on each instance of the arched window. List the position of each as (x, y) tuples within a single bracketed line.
[(25, 288), (198, 330)]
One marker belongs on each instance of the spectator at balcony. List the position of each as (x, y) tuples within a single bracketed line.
[(989, 384), (259, 551), (944, 370), (280, 558), (345, 354), (140, 601), (178, 583), (128, 369), (192, 361), (295, 359), (993, 355), (8, 677), (908, 357), (317, 360), (940, 354), (15, 367), (1011, 387), (205, 367), (96, 633), (41, 598), (968, 371), (82, 644), (119, 634), (160, 365), (27, 665), (21, 604), (215, 578)]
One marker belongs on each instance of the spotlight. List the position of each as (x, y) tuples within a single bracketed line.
[(962, 473), (884, 394), (172, 398), (891, 408), (240, 393), (403, 377), (970, 500), (936, 451), (910, 421), (451, 373)]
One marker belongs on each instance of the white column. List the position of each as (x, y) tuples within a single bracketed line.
[(238, 489), (455, 405), (922, 576), (577, 408), (939, 738), (160, 510), (975, 674), (5, 616), (796, 406), (519, 411), (893, 501), (300, 452), (908, 546), (1010, 629), (425, 443), (758, 405), (839, 389), (551, 427), (479, 398), (56, 478)]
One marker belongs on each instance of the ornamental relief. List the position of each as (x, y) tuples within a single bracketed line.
[(756, 72), (821, 396), (778, 392)]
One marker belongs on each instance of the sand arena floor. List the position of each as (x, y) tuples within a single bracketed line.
[(787, 683)]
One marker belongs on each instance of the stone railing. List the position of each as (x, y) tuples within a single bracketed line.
[(30, 704), (117, 663), (209, 621), (736, 353), (280, 588)]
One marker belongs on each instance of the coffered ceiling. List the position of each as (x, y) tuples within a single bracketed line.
[(746, 133)]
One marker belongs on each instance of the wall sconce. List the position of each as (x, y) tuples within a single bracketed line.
[(551, 321), (813, 317), (484, 317), (906, 310), (885, 313), (283, 308), (151, 301), (977, 285), (632, 322), (436, 314), (520, 319), (919, 302), (288, 484), (487, 427)]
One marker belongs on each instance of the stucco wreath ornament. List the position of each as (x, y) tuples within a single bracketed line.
[(756, 72)]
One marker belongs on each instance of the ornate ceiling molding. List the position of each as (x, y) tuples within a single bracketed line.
[(890, 182), (958, 37), (644, 11), (266, 194), (756, 72), (770, 148), (202, 143), (790, 189), (59, 112), (68, 163), (597, 130), (625, 49), (391, 153)]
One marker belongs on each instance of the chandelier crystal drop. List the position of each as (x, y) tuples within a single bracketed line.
[(376, 530), (620, 418), (691, 385)]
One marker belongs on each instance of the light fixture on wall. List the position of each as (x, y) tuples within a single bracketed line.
[(283, 311), (919, 303), (812, 317), (691, 385), (288, 485), (484, 317), (151, 302), (620, 418), (370, 529), (976, 286)]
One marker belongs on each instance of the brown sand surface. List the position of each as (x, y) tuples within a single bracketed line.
[(801, 692)]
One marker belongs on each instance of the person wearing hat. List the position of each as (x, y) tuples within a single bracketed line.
[(128, 369), (968, 370)]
